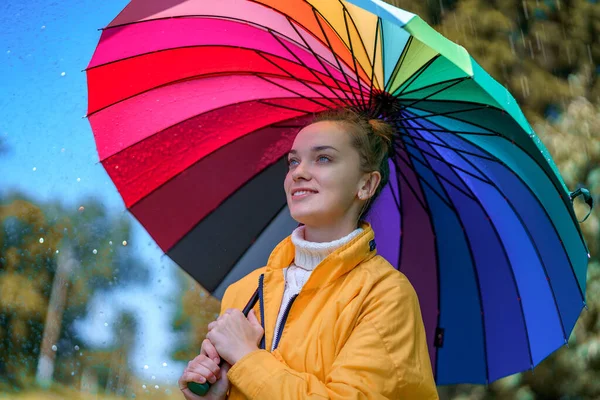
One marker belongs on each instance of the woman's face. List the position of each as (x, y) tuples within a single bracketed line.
[(324, 176)]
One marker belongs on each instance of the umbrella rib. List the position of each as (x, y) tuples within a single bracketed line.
[(460, 80), (351, 50), (529, 235), (416, 75), (443, 113), (316, 13), (401, 96), (420, 178), (266, 102), (441, 159), (292, 91), (476, 274), (377, 30), (557, 186), (433, 230), (454, 149), (188, 78), (318, 58), (179, 173), (297, 79), (398, 65), (377, 26), (512, 274), (434, 172)]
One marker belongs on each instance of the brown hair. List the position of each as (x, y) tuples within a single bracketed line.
[(373, 138)]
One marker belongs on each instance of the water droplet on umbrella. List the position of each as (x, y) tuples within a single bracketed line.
[(144, 386), (78, 179), (164, 364), (95, 251), (43, 26), (155, 386), (54, 348), (41, 240), (110, 242), (72, 373), (124, 242), (57, 251), (76, 347), (81, 208), (63, 73), (7, 51), (34, 168), (153, 377), (106, 324), (146, 366)]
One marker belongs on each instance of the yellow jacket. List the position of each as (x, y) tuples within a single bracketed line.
[(353, 332)]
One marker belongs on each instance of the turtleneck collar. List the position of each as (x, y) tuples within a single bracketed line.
[(310, 254)]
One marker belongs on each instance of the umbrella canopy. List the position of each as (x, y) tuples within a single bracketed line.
[(194, 105)]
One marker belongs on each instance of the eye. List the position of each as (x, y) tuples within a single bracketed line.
[(292, 162), (324, 159)]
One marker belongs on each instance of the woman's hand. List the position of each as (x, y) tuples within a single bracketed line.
[(233, 335), (205, 367)]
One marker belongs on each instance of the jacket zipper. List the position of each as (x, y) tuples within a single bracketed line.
[(262, 308), (283, 320)]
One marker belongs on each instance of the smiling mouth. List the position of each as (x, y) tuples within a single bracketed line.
[(302, 193)]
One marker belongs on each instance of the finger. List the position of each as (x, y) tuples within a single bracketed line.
[(252, 318), (212, 325), (210, 351), (190, 376), (208, 370)]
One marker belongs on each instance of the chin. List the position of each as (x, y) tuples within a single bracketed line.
[(306, 217)]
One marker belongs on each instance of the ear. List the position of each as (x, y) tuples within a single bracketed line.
[(368, 185)]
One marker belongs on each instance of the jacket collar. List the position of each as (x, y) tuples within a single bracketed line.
[(340, 262)]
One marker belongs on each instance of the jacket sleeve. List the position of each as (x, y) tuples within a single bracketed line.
[(385, 357)]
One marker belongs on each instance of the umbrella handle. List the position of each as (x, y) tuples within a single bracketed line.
[(201, 389)]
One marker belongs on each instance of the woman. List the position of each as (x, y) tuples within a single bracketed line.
[(339, 321)]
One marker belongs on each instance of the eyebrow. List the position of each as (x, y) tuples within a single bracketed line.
[(316, 149)]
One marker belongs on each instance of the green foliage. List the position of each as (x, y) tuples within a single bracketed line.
[(32, 237)]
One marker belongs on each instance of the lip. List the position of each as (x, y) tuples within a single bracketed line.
[(305, 192)]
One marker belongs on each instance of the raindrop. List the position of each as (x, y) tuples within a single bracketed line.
[(81, 353), (34, 168), (63, 73), (54, 348), (72, 373), (146, 366), (76, 347), (81, 208), (41, 240), (143, 386), (7, 51), (106, 324), (95, 251), (43, 26), (57, 251), (110, 242), (155, 386), (124, 242), (62, 150), (165, 364), (78, 179), (153, 377)]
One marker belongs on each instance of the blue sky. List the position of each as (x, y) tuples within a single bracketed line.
[(44, 47)]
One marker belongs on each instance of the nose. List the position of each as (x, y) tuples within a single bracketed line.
[(301, 172)]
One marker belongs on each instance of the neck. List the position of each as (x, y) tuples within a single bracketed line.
[(310, 254), (329, 233)]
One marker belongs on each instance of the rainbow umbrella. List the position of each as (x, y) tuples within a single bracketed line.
[(194, 104)]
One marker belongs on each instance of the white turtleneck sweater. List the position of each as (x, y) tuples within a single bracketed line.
[(308, 256)]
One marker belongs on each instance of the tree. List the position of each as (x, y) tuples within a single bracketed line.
[(31, 239)]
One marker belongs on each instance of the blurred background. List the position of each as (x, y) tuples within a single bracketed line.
[(89, 307)]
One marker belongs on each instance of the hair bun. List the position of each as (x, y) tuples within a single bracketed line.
[(382, 129)]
